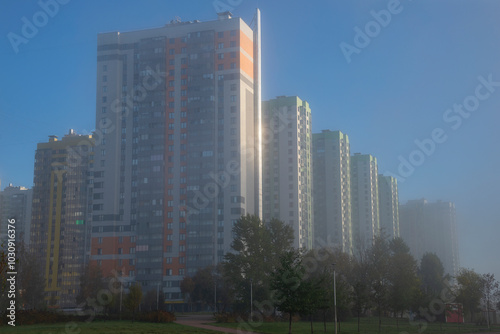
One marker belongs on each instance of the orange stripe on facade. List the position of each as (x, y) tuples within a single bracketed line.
[(246, 44), (246, 65)]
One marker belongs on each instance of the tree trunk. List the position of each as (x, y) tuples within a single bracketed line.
[(379, 318), (311, 318), (324, 320), (290, 324), (359, 318)]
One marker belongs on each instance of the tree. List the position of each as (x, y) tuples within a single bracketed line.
[(359, 278), (154, 300), (204, 286), (287, 283), (318, 264), (91, 281), (490, 287), (402, 275), (378, 269), (31, 281), (3, 267), (312, 298), (256, 249), (187, 288), (133, 299), (431, 273), (470, 290)]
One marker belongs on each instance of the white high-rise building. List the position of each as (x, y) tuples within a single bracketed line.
[(365, 200), (332, 190), (388, 205), (287, 166)]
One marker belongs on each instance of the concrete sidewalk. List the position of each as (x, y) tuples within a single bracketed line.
[(200, 321)]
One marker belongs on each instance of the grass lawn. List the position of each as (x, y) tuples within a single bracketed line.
[(368, 326), (104, 327)]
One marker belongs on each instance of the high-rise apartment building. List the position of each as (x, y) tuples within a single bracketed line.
[(178, 158), (15, 202), (60, 224), (365, 200), (332, 190), (431, 227), (287, 166), (388, 205)]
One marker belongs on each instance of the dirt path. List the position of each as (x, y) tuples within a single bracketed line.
[(200, 321)]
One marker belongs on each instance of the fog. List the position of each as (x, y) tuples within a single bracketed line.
[(416, 84)]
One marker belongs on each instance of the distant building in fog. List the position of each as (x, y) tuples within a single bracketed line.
[(15, 202), (332, 190), (388, 205), (60, 214), (431, 227), (365, 200), (287, 166)]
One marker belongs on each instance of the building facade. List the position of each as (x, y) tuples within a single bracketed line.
[(388, 205), (287, 166), (431, 227), (60, 221), (332, 190), (178, 156), (365, 200), (15, 202)]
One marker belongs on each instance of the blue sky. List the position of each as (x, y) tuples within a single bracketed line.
[(394, 91)]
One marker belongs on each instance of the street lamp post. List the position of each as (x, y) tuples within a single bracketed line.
[(158, 297), (214, 276), (334, 298), (121, 294), (251, 299)]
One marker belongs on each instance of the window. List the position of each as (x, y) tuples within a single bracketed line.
[(220, 56), (233, 54), (233, 66), (220, 46), (171, 51), (171, 40), (232, 44), (220, 67), (220, 34), (104, 68), (103, 110), (99, 251), (233, 32), (104, 78)]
